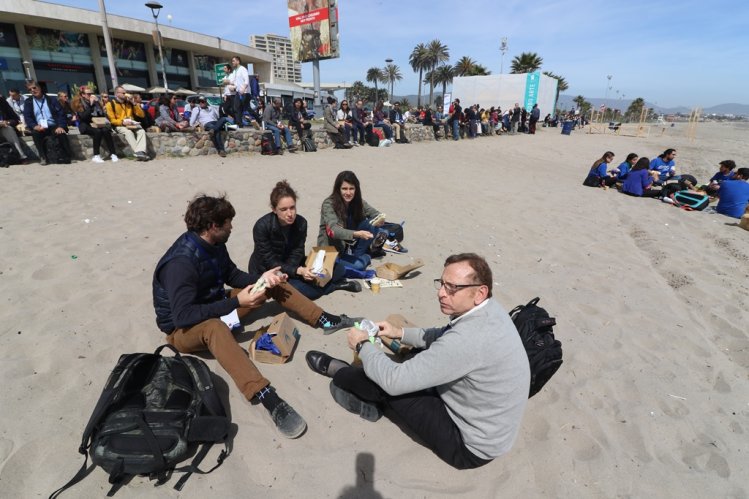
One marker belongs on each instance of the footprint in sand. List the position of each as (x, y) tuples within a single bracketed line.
[(45, 273), (721, 386), (6, 447), (676, 280)]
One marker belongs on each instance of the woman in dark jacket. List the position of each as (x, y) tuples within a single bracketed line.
[(86, 105), (279, 240), (8, 122), (298, 118)]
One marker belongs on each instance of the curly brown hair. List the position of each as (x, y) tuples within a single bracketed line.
[(205, 211)]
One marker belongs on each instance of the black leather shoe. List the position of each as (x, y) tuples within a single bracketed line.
[(320, 362), (352, 403), (352, 286)]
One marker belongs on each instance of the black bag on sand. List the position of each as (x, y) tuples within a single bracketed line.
[(153, 413), (536, 332), (54, 150), (395, 230), (268, 145), (308, 144), (8, 155)]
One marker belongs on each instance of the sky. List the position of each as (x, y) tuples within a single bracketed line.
[(671, 53)]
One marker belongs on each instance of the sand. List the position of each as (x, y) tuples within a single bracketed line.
[(651, 301)]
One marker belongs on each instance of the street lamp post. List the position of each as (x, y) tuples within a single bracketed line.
[(503, 49), (155, 9), (389, 61), (606, 96)]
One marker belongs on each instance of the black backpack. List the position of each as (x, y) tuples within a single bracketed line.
[(8, 155), (268, 145), (308, 144), (54, 150), (153, 413), (544, 351)]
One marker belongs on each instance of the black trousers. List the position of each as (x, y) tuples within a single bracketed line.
[(300, 129), (423, 412), (98, 134), (38, 138)]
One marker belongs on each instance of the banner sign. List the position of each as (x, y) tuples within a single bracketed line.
[(531, 90), (313, 26)]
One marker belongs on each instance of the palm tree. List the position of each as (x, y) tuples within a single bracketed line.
[(464, 66), (437, 53), (527, 62), (443, 75), (392, 74), (635, 108), (561, 84), (417, 61), (479, 70), (375, 75)]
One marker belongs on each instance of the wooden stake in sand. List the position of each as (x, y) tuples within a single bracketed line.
[(694, 117)]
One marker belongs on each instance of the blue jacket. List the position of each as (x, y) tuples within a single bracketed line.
[(720, 177), (624, 170), (636, 183), (664, 169), (734, 196), (29, 114)]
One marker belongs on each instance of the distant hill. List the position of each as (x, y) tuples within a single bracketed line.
[(565, 102)]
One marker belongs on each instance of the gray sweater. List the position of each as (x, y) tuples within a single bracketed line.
[(478, 366)]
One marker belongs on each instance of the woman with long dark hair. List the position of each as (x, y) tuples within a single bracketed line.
[(169, 119), (598, 176), (345, 223), (622, 171), (640, 181)]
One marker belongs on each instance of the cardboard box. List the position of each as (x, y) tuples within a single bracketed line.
[(331, 254), (285, 336)]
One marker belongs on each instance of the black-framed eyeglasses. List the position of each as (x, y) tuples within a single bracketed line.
[(450, 287)]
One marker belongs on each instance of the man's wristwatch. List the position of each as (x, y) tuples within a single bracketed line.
[(360, 345)]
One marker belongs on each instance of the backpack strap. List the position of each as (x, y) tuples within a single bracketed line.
[(193, 467), (111, 390)]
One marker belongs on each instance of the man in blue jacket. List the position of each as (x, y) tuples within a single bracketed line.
[(45, 118)]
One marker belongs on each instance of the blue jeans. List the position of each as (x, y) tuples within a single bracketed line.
[(277, 134), (456, 129), (359, 258), (386, 129), (314, 292), (359, 132), (216, 127)]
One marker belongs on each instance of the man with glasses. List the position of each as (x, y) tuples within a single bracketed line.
[(123, 113), (45, 118), (464, 393)]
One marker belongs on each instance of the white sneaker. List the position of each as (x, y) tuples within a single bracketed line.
[(232, 127), (114, 158), (97, 159)]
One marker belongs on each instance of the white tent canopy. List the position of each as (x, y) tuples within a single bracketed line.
[(506, 89), (129, 87)]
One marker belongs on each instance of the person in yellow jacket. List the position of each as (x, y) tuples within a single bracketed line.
[(122, 113)]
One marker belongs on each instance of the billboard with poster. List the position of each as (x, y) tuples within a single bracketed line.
[(313, 26)]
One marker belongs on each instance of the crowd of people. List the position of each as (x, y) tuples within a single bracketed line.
[(466, 408), (658, 178)]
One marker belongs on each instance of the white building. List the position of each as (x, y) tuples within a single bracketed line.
[(284, 65)]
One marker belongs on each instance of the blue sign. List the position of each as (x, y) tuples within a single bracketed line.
[(531, 89), (3, 63)]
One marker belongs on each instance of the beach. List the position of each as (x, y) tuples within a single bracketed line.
[(652, 307)]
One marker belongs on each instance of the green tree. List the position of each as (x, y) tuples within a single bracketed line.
[(464, 66), (392, 74), (356, 91), (375, 75), (443, 75), (479, 70), (527, 62), (634, 111), (417, 60), (562, 85), (437, 53)]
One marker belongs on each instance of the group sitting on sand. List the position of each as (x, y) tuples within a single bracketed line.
[(641, 177), (465, 407)]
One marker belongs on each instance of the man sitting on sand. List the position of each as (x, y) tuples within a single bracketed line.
[(190, 299), (734, 194), (464, 394), (664, 165)]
